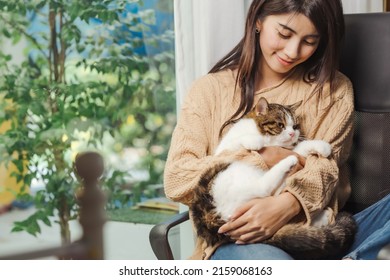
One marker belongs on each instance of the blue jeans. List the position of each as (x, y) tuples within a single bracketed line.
[(373, 234)]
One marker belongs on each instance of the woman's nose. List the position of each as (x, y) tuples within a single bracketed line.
[(292, 50)]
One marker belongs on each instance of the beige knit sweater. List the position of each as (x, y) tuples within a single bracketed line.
[(212, 100)]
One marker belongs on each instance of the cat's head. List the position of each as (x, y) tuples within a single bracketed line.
[(277, 122)]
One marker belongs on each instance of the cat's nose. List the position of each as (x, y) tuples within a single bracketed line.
[(292, 134)]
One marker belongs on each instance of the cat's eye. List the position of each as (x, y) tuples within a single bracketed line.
[(280, 125), (296, 126)]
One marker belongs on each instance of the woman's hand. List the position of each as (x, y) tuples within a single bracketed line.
[(273, 154), (260, 218)]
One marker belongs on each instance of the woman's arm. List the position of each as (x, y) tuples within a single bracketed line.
[(315, 185)]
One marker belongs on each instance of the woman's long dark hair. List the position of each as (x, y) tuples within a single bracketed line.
[(321, 67)]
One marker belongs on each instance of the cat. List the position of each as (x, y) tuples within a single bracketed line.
[(227, 186)]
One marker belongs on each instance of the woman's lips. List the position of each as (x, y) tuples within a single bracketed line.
[(285, 62)]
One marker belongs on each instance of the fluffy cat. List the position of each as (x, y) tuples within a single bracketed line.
[(227, 186)]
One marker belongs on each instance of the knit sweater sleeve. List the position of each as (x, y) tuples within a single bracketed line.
[(315, 185), (190, 153)]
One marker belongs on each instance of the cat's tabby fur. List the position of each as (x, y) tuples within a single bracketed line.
[(226, 186)]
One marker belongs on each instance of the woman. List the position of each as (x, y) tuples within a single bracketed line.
[(289, 53)]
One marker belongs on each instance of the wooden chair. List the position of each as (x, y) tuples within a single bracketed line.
[(365, 60), (89, 167)]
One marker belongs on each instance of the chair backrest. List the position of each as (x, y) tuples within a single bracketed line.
[(366, 61), (89, 167)]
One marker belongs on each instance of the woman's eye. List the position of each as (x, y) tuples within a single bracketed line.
[(310, 43), (283, 36)]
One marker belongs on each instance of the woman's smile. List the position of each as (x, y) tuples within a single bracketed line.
[(285, 62)]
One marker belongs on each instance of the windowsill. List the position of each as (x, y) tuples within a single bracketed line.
[(139, 216), (151, 211)]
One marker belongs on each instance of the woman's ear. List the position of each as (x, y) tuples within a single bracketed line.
[(258, 26)]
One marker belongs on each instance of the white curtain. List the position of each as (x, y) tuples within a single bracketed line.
[(205, 30), (362, 6)]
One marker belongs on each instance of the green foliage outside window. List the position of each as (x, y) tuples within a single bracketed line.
[(82, 85)]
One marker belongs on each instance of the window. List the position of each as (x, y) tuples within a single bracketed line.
[(84, 75)]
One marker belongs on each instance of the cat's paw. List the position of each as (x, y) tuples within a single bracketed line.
[(289, 162), (325, 149), (322, 148), (319, 147), (292, 160)]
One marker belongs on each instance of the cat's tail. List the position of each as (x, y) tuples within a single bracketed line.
[(205, 219), (327, 242)]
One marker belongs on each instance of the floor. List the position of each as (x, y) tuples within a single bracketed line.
[(123, 241), (14, 242)]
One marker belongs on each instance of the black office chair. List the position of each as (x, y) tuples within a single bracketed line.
[(366, 61)]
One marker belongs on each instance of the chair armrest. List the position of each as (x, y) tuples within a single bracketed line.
[(158, 236), (384, 253)]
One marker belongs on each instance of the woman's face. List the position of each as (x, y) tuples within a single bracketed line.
[(286, 40)]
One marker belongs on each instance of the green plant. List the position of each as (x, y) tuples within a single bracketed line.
[(83, 84)]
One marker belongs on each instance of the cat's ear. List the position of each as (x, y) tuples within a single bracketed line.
[(262, 107), (295, 106)]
